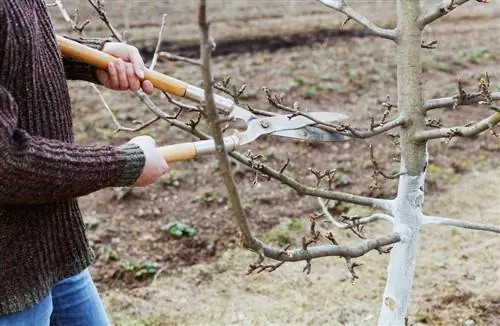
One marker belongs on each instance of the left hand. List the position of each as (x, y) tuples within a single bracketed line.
[(126, 73)]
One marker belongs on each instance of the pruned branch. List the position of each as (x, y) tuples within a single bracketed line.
[(459, 99), (343, 7), (439, 11), (426, 220), (462, 131)]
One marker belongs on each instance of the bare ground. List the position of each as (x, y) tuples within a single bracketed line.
[(148, 277)]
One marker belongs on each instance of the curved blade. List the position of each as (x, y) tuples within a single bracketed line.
[(312, 134), (290, 126)]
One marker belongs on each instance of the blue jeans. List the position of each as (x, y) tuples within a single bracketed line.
[(73, 301)]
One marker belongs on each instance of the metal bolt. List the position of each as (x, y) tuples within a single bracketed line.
[(264, 124)]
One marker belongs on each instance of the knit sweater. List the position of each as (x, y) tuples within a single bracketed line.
[(42, 170)]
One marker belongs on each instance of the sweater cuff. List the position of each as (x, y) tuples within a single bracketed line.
[(134, 164), (76, 70)]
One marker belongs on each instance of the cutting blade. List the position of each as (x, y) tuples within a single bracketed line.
[(291, 126)]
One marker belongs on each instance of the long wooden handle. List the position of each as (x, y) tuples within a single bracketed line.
[(178, 152), (101, 60), (189, 151)]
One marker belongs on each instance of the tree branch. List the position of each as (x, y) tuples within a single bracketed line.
[(343, 7), (385, 204), (158, 44), (361, 221), (438, 11), (327, 250), (117, 124), (459, 223), (247, 238), (462, 131), (454, 101)]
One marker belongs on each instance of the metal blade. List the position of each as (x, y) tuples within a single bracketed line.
[(312, 134), (270, 125)]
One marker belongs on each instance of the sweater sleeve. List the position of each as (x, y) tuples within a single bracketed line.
[(36, 170), (76, 70)]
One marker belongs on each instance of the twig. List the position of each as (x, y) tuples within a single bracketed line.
[(426, 220), (63, 11), (175, 57), (118, 126), (343, 7), (454, 101), (277, 102), (99, 8), (158, 43), (379, 171), (385, 204), (438, 11), (365, 220), (462, 131)]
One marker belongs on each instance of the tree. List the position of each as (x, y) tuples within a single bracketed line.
[(414, 132)]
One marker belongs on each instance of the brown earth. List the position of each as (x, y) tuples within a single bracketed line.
[(200, 280)]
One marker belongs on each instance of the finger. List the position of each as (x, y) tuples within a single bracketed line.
[(113, 76), (138, 63), (122, 74), (133, 81), (148, 87), (103, 77)]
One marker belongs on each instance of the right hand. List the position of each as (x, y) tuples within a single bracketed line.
[(155, 165)]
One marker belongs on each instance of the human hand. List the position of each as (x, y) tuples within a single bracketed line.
[(126, 73), (155, 166)]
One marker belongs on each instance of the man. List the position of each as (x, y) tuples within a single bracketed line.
[(44, 254)]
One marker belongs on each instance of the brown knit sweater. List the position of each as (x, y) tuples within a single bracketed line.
[(42, 171)]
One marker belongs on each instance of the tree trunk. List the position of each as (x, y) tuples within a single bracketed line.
[(407, 209)]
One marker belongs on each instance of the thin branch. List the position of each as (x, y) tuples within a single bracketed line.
[(63, 11), (343, 226), (247, 238), (117, 124), (438, 11), (99, 8), (328, 250), (343, 7), (175, 57), (454, 101), (385, 204), (459, 223), (363, 134), (462, 131), (158, 44), (343, 128)]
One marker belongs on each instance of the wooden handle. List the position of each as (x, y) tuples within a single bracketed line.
[(178, 152), (99, 59)]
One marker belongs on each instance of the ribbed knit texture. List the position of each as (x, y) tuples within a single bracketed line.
[(42, 171)]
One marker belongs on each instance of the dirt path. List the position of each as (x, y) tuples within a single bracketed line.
[(457, 278)]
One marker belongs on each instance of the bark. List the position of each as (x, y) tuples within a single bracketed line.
[(407, 209)]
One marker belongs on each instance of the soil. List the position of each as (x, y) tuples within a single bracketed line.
[(149, 277)]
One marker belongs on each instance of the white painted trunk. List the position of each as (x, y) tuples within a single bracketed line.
[(407, 208), (407, 212)]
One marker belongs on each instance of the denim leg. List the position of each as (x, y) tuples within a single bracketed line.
[(77, 303), (38, 315)]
